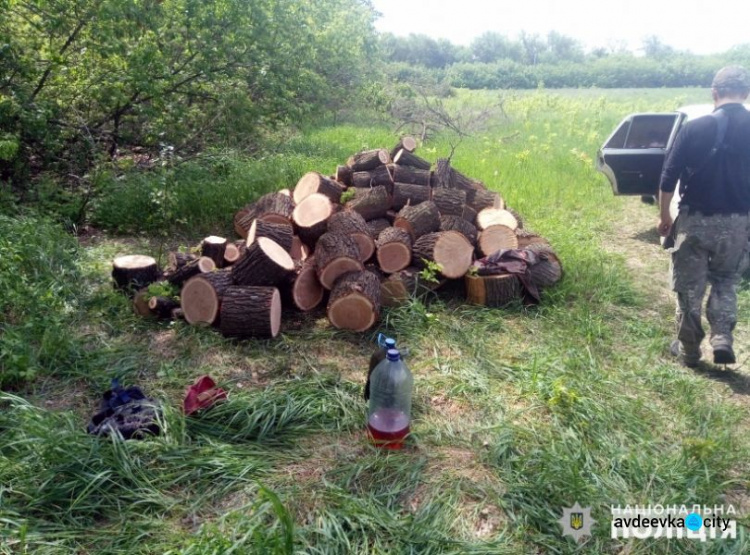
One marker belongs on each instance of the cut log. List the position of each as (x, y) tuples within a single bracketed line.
[(133, 272), (355, 301), (406, 158), (376, 226), (407, 193), (311, 218), (344, 175), (470, 215), (232, 254), (492, 290), (450, 202), (335, 255), (379, 176), (349, 222), (496, 216), (496, 237), (548, 270), (527, 237), (265, 263), (394, 249), (178, 259), (198, 266), (307, 291), (370, 203), (481, 199), (140, 303), (280, 233), (250, 312), (406, 174), (299, 250), (457, 223), (402, 286), (313, 182), (200, 297), (418, 220), (214, 248), (162, 307), (450, 250), (406, 143), (368, 160), (275, 208), (460, 181), (443, 176)]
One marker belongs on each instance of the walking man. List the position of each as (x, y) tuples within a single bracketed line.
[(711, 159)]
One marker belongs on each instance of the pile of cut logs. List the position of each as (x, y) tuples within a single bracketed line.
[(361, 238)]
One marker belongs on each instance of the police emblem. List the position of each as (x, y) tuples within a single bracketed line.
[(576, 522)]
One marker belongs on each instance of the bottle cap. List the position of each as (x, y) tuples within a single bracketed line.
[(393, 355), (390, 343)]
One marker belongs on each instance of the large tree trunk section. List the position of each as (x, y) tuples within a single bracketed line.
[(376, 226), (313, 182), (492, 290), (398, 288), (450, 202), (379, 176), (200, 297), (232, 254), (307, 291), (250, 312), (370, 203), (355, 301), (335, 255), (449, 249), (527, 237), (311, 218), (457, 223), (406, 158), (406, 174), (418, 220), (344, 175), (407, 193), (548, 270), (406, 143), (214, 247), (198, 266), (496, 216), (368, 160), (280, 233), (299, 250), (481, 199), (178, 259), (349, 222), (162, 307), (394, 250), (134, 271), (496, 237), (265, 263), (443, 176)]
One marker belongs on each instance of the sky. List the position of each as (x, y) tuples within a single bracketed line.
[(686, 25)]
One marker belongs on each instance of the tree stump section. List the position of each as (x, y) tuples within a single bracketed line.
[(450, 250), (548, 269), (335, 255), (311, 218), (496, 237), (450, 202), (214, 248), (200, 297), (407, 193), (140, 303), (307, 291), (280, 233), (406, 143), (407, 174), (370, 203), (355, 301), (406, 158), (496, 216), (492, 291), (201, 265), (265, 263), (368, 160), (398, 288), (394, 250), (418, 220), (134, 271), (232, 254), (313, 182), (162, 307), (250, 312), (349, 222), (457, 223)]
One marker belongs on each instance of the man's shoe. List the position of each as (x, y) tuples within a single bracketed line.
[(724, 355), (690, 358)]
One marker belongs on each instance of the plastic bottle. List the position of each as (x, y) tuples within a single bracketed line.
[(384, 343), (389, 414)]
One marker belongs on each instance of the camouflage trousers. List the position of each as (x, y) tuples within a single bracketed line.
[(708, 250)]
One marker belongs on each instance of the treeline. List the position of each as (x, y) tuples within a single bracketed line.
[(493, 61)]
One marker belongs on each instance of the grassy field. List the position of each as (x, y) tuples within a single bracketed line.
[(519, 412)]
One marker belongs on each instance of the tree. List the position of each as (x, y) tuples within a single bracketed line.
[(653, 47), (492, 47)]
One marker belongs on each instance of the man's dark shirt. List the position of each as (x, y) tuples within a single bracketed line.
[(712, 185)]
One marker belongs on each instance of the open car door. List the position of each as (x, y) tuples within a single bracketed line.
[(633, 156)]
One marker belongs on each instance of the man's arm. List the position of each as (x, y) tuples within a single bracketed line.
[(665, 218), (673, 167)]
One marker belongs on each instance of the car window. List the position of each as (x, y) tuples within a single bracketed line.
[(650, 131), (617, 140)]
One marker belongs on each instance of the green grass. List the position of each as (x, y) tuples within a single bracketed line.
[(519, 412)]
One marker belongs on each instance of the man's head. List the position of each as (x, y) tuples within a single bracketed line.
[(730, 84)]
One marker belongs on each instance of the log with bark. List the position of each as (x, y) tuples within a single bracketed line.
[(162, 307), (379, 176), (418, 220), (406, 158), (314, 182), (527, 237), (376, 226), (344, 175), (368, 160), (517, 216), (307, 291), (214, 248), (200, 297), (481, 199), (134, 271), (250, 312), (450, 250), (494, 291), (311, 218), (495, 238), (265, 263), (232, 253), (457, 223), (407, 174), (460, 181), (408, 193), (398, 288), (371, 203), (272, 207), (450, 202), (280, 233), (442, 178), (548, 269), (355, 301), (198, 266), (407, 143), (349, 222), (394, 249), (496, 216), (299, 250), (335, 255), (178, 259), (140, 303)]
